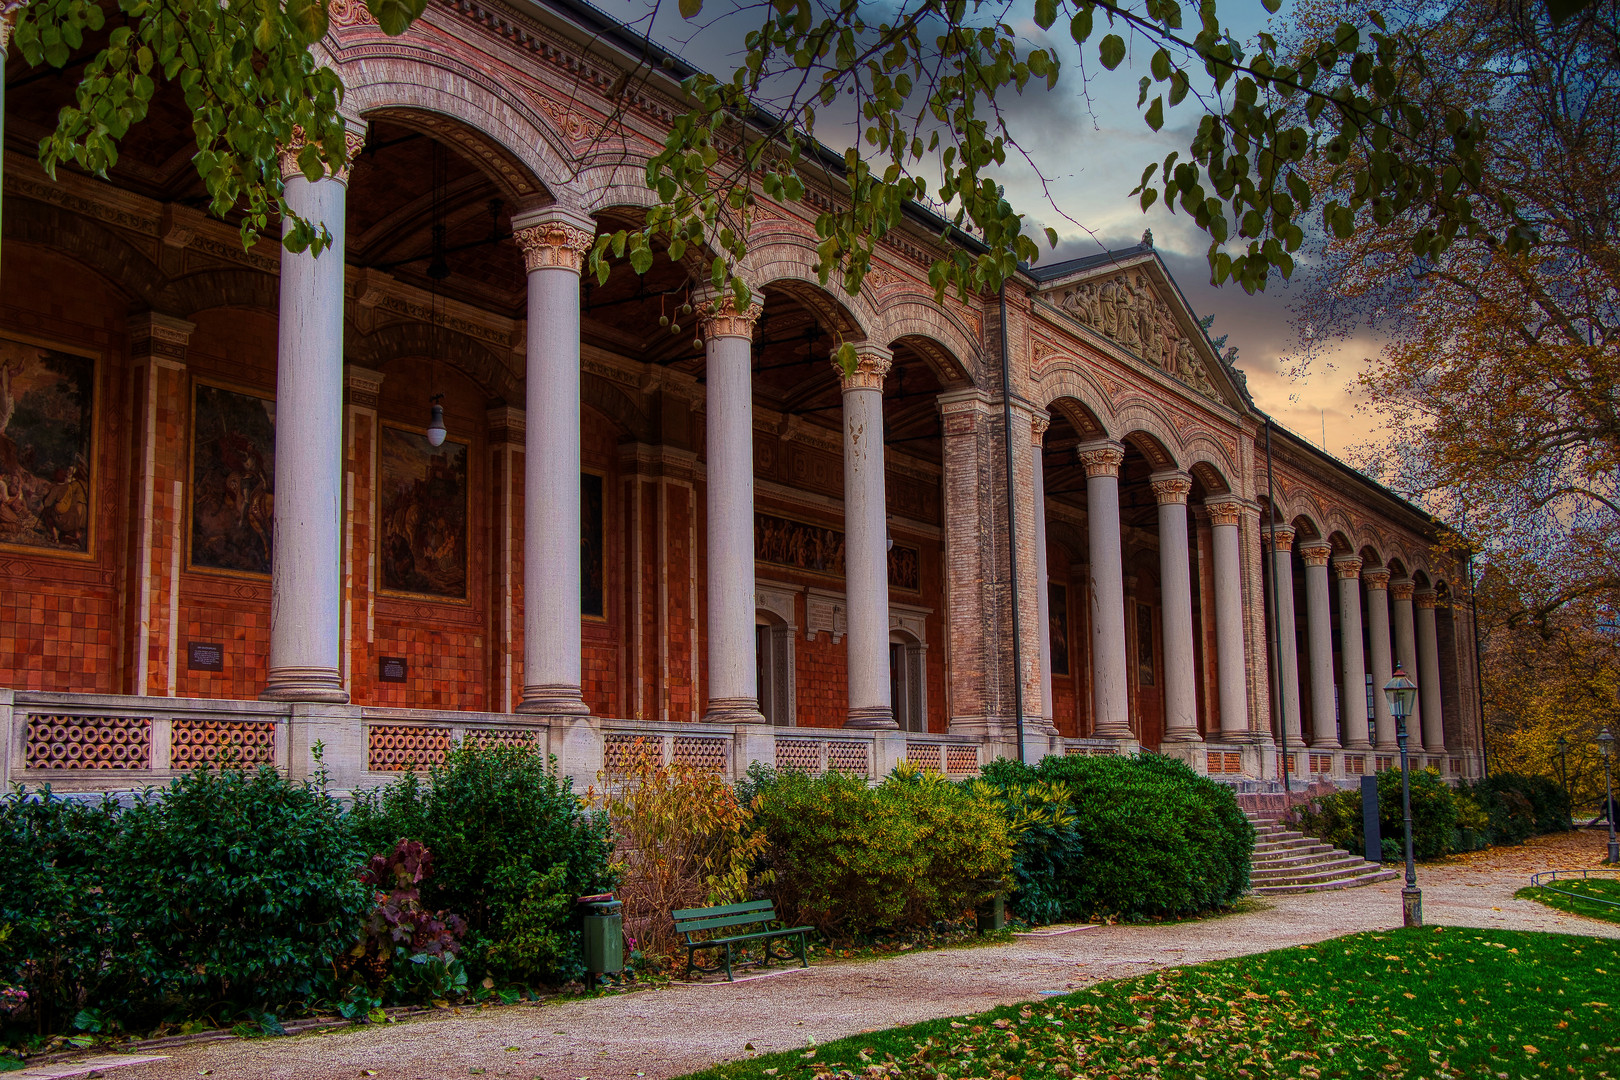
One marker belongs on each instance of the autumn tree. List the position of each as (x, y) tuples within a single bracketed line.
[(1499, 376)]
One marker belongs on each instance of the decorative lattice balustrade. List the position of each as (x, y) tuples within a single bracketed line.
[(195, 742), (69, 741)]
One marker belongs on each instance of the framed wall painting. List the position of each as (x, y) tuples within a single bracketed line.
[(48, 417), (233, 476), (1057, 608), (592, 545), (423, 513)]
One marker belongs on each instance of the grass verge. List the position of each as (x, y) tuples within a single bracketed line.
[(1433, 1002), (1557, 895)]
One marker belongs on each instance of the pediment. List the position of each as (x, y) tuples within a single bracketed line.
[(1137, 308)]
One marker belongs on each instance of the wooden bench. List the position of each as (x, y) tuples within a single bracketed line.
[(706, 928)]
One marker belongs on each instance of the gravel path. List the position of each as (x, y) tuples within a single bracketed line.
[(665, 1033)]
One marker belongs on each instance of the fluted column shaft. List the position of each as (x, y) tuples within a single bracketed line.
[(1400, 595), (733, 689), (1230, 660), (1319, 620), (1353, 709), (1110, 691), (554, 245), (305, 572), (1043, 592), (1428, 662), (1287, 645), (1175, 607), (866, 559), (1377, 582)]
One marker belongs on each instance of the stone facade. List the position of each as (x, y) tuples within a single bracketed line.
[(1086, 539)]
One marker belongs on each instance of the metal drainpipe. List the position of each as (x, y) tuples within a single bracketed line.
[(1012, 529), (1274, 653)]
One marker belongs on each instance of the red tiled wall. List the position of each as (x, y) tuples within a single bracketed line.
[(60, 625)]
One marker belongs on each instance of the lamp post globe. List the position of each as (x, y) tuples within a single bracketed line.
[(1401, 692), (1605, 741)]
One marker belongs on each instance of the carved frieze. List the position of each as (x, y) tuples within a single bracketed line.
[(1126, 309)]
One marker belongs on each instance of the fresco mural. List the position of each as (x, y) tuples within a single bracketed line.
[(233, 474), (800, 546), (592, 546), (47, 418), (423, 497)]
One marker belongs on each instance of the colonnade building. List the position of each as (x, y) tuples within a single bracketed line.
[(233, 524)]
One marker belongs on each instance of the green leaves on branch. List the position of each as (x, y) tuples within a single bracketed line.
[(247, 75), (927, 86)]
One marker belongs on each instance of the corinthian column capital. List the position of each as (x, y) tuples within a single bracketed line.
[(1402, 589), (872, 366), (1316, 553), (1347, 567), (8, 11), (1283, 535), (553, 238), (1102, 459), (1038, 423), (354, 141), (1171, 487), (1376, 578), (1224, 511), (1426, 598), (719, 318)]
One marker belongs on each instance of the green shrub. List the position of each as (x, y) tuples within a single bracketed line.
[(1048, 853), (854, 859), (512, 845), (1156, 838), (1539, 800), (1337, 818), (60, 946), (235, 887)]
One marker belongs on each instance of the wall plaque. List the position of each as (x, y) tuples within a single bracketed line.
[(391, 669), (205, 656)]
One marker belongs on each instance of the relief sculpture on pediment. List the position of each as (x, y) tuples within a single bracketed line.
[(1126, 309)]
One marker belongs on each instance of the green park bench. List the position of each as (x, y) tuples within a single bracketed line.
[(720, 928)]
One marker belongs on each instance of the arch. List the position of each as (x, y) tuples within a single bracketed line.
[(1151, 447), (467, 355), (1080, 416), (86, 242), (1305, 527), (612, 402), (788, 267), (1140, 417), (208, 290), (939, 336), (1205, 451), (1397, 568), (1065, 380), (1371, 559), (423, 88), (1213, 480), (1341, 542)]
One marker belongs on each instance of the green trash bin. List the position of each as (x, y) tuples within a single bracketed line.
[(602, 939)]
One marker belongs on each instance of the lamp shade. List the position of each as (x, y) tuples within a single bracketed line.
[(435, 430), (1605, 742), (1401, 692)]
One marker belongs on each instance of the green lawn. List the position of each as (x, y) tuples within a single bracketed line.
[(1434, 1002), (1608, 888)]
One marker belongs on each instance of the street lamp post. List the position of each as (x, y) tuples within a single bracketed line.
[(1605, 743), (1401, 691)]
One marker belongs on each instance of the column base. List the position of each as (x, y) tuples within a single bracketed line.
[(879, 717), (1325, 746), (1191, 736), (305, 684), (736, 710), (1362, 746), (553, 700), (1113, 733)]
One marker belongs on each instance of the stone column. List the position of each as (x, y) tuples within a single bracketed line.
[(1038, 423), (1377, 582), (1175, 594), (305, 572), (1230, 662), (1319, 619), (1400, 592), (974, 668), (1110, 691), (866, 549), (733, 693), (1353, 710), (1428, 665), (1287, 645), (554, 243)]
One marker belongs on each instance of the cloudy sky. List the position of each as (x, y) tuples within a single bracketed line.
[(1089, 141)]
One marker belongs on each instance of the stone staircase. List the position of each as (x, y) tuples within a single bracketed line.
[(1287, 861)]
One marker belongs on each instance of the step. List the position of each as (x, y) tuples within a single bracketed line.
[(1288, 847), (1343, 883), (1315, 877), (1331, 857)]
